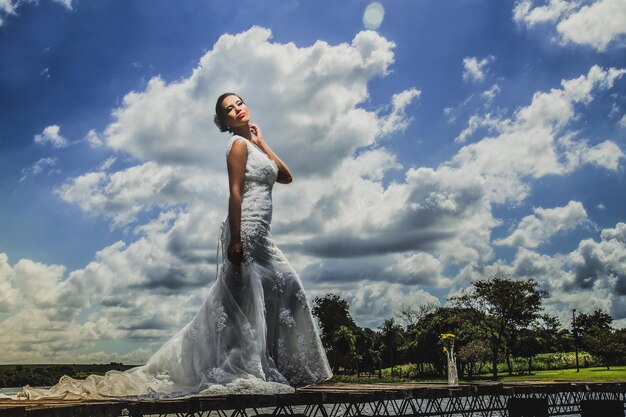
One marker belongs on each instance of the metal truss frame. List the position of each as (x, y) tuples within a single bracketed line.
[(409, 400), (563, 400)]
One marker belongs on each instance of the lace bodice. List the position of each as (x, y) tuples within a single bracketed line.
[(256, 204)]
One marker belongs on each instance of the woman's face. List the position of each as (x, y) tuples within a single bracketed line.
[(236, 111)]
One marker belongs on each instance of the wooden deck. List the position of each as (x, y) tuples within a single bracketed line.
[(341, 400)]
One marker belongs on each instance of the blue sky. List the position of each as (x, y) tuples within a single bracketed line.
[(451, 143)]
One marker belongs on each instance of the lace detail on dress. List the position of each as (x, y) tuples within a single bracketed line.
[(220, 317), (216, 375), (286, 318), (301, 296), (279, 283)]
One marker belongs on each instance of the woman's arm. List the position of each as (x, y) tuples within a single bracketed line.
[(236, 163), (284, 174)]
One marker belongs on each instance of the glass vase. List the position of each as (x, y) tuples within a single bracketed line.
[(453, 376)]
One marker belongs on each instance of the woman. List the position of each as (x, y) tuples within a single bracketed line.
[(254, 333)]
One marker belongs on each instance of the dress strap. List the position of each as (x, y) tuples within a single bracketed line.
[(233, 140)]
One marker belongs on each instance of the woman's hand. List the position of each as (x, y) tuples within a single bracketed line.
[(257, 135), (234, 252), (284, 174)]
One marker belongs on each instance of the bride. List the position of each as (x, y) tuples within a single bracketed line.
[(255, 332)]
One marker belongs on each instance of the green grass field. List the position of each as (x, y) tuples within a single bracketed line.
[(42, 375), (596, 374), (615, 374)]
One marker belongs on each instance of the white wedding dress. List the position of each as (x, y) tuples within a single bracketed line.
[(253, 334)]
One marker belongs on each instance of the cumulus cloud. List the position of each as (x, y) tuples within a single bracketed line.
[(51, 135), (538, 228), (8, 294), (622, 122), (535, 141), (524, 12), (122, 195), (371, 301), (474, 69), (590, 277), (172, 123), (597, 24), (45, 304)]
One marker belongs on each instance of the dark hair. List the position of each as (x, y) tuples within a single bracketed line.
[(220, 117)]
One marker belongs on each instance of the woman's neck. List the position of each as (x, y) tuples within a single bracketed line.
[(243, 131)]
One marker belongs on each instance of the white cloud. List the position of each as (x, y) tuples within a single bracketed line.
[(37, 168), (488, 121), (475, 69), (122, 195), (397, 119), (534, 143), (93, 139), (606, 154), (52, 135), (66, 3), (590, 277), (8, 294), (490, 95), (108, 163), (370, 302), (9, 7), (597, 24), (537, 229), (172, 123), (524, 12), (622, 122)]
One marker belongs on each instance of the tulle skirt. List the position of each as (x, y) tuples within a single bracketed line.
[(253, 334)]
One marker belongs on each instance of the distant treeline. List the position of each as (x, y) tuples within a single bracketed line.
[(498, 324), (47, 375)]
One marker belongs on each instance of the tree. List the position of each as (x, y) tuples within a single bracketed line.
[(474, 355), (527, 346), (344, 347), (607, 344), (506, 305), (595, 323), (333, 312), (599, 338), (368, 349), (411, 316), (551, 335), (392, 337)]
